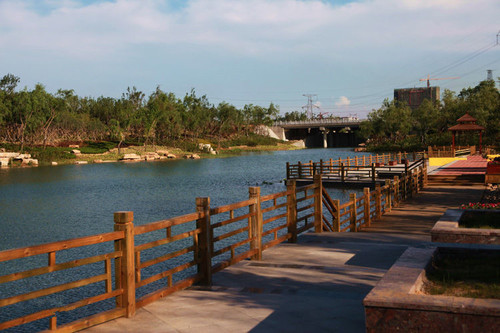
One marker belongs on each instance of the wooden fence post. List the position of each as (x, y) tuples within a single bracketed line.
[(318, 204), (292, 210), (336, 217), (404, 187), (300, 170), (205, 241), (378, 202), (417, 179), (388, 200), (366, 201), (364, 160), (396, 191), (342, 172), (255, 222), (373, 173), (321, 166), (125, 266), (287, 170), (356, 161), (311, 169), (425, 175), (399, 157), (354, 212)]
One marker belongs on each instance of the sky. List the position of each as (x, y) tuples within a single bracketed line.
[(350, 55)]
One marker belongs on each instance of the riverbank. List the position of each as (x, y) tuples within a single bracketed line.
[(74, 154)]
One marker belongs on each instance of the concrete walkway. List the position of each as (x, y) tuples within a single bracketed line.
[(316, 285)]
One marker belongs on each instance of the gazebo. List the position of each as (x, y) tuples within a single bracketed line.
[(467, 123)]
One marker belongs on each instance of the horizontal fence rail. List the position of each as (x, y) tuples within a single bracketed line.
[(137, 265)]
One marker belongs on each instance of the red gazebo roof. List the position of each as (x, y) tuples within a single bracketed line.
[(466, 118), (466, 127), (466, 123)]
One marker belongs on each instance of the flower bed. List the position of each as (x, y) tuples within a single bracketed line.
[(448, 230), (397, 302)]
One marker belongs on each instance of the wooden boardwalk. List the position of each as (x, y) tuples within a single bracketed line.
[(317, 284)]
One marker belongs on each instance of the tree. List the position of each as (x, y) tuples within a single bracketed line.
[(293, 116), (425, 119), (8, 83)]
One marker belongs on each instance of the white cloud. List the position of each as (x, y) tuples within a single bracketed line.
[(226, 45), (342, 102), (254, 27)]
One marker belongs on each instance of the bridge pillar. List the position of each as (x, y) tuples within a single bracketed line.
[(324, 131)]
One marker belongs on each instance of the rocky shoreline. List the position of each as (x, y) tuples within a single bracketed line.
[(131, 154)]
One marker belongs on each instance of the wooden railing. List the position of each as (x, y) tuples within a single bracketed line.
[(140, 264), (359, 211), (448, 151), (153, 260), (50, 251), (356, 169)]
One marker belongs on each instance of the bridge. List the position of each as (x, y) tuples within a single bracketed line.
[(321, 132)]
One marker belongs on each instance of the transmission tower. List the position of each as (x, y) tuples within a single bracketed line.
[(490, 75), (309, 107)]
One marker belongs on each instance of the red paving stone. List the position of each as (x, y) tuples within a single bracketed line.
[(472, 166)]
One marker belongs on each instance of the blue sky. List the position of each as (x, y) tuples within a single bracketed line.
[(352, 55)]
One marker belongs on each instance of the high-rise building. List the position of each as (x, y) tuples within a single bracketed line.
[(415, 96)]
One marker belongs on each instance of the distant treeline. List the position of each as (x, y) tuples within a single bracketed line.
[(37, 117), (395, 126)]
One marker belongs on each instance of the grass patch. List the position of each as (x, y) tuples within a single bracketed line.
[(97, 147), (480, 219), (465, 274), (51, 154), (252, 140)]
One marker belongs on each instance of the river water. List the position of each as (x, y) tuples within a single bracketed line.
[(47, 204)]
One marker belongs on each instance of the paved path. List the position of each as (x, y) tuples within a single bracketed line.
[(316, 285), (473, 165)]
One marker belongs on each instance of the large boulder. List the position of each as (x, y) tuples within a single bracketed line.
[(151, 156), (162, 152), (131, 157), (192, 156), (29, 161)]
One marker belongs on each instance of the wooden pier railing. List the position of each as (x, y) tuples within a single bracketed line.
[(448, 151), (367, 169), (135, 265)]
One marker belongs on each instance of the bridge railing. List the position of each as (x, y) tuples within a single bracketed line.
[(137, 265), (318, 122)]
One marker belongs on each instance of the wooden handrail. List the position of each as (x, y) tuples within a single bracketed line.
[(281, 219)]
